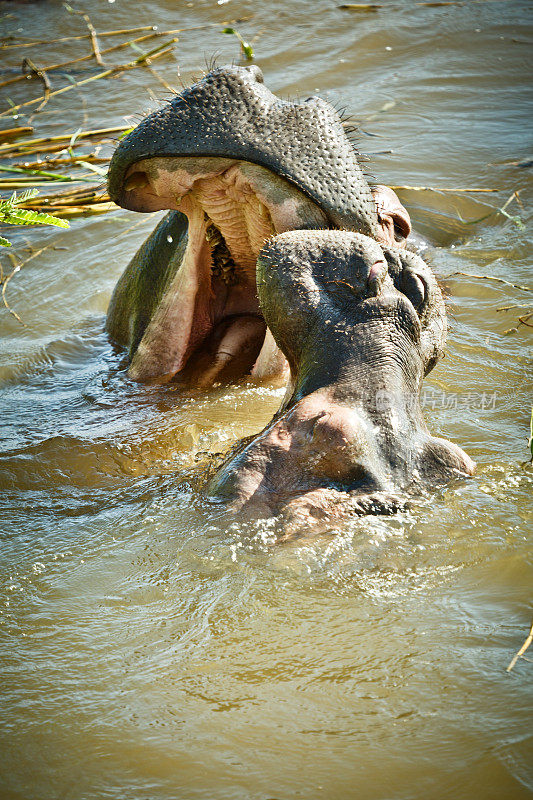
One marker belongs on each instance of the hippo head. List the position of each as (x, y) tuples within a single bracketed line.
[(241, 165), (340, 300), (360, 325)]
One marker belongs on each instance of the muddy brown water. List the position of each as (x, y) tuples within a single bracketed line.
[(150, 648)]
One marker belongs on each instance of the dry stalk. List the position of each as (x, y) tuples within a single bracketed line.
[(163, 49), (440, 189), (35, 144), (522, 650), (514, 305), (524, 319), (77, 38), (60, 162), (17, 268), (162, 81), (29, 67), (51, 67), (8, 134), (94, 40), (125, 31), (493, 278)]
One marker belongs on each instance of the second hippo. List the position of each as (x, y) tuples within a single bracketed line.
[(360, 326)]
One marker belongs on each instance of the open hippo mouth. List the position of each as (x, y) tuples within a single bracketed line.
[(241, 165), (232, 208)]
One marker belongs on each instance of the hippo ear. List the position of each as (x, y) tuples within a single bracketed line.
[(394, 219)]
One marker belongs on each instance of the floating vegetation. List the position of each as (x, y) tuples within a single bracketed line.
[(361, 6), (440, 189), (8, 134), (524, 163), (74, 203), (494, 278), (530, 636), (148, 57), (491, 211), (77, 153), (523, 319), (515, 219)]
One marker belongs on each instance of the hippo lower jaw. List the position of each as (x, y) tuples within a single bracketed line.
[(211, 307)]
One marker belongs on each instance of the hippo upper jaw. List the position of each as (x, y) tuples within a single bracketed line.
[(231, 114)]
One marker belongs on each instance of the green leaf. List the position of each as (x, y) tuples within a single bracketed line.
[(125, 133), (247, 49), (11, 218), (4, 242), (12, 108), (27, 217), (6, 208), (10, 214), (27, 194)]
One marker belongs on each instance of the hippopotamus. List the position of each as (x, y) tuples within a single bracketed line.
[(234, 164), (360, 324)]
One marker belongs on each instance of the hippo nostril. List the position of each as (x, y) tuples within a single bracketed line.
[(137, 180), (414, 287), (256, 73), (376, 274)]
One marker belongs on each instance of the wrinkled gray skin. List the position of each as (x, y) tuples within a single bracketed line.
[(360, 326), (236, 165)]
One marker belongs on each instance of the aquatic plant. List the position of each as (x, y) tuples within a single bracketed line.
[(11, 214), (247, 49)]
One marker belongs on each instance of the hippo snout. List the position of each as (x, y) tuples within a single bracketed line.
[(231, 114)]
